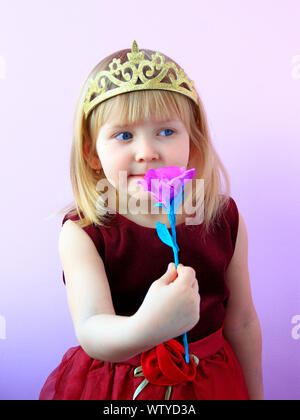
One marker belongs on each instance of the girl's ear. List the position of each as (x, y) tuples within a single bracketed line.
[(91, 159)]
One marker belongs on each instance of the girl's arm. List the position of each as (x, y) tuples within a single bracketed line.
[(101, 333), (241, 326)]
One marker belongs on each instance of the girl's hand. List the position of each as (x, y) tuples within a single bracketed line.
[(171, 306)]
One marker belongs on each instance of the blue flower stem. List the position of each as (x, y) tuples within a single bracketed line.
[(172, 219)]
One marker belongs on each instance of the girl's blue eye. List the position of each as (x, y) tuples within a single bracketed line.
[(125, 137), (168, 131)]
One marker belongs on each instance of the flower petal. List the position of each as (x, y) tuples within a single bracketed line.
[(166, 182)]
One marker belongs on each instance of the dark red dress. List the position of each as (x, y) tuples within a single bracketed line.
[(137, 253)]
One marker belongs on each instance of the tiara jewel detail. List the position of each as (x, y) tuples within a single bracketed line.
[(105, 84)]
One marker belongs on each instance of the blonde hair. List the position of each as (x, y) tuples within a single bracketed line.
[(133, 107)]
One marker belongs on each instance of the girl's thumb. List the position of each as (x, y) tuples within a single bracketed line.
[(169, 274)]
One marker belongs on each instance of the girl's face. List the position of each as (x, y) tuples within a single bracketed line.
[(138, 147)]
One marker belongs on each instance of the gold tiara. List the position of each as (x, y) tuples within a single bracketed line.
[(105, 85)]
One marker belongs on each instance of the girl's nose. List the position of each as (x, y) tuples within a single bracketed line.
[(145, 151)]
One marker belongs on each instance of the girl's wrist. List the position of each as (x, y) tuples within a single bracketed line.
[(144, 336)]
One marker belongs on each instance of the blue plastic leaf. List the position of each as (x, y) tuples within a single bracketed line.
[(164, 234)]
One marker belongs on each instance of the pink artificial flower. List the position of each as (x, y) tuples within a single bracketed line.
[(165, 183)]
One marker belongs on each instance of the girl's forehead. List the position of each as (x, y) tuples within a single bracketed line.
[(115, 123)]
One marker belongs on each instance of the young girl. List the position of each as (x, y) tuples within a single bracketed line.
[(136, 111)]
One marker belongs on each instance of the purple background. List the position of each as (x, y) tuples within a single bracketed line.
[(244, 57)]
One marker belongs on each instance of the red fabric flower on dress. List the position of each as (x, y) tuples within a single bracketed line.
[(165, 364)]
